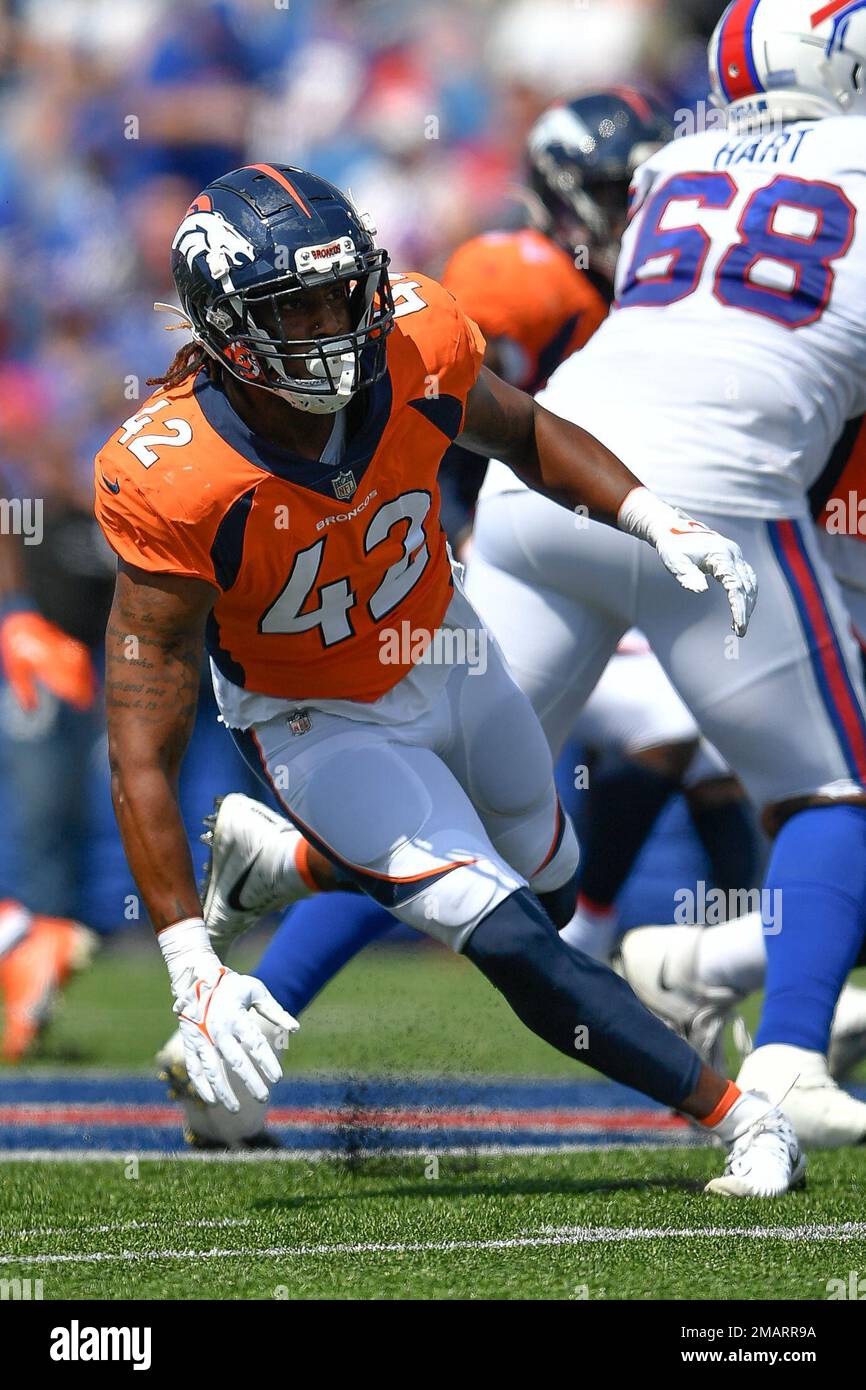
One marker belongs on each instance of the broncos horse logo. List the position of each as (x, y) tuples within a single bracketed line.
[(209, 232)]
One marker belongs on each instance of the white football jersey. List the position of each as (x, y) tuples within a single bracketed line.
[(737, 348)]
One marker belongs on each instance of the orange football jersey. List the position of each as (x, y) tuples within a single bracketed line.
[(523, 287), (312, 563)]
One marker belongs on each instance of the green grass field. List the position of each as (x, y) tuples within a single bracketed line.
[(603, 1224), (513, 1228), (392, 1010)]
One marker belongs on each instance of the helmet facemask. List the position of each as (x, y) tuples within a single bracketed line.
[(319, 374)]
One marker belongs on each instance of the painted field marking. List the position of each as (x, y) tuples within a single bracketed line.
[(567, 1236), (685, 1140), (101, 1115)]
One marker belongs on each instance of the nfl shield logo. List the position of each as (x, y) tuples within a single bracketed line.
[(299, 722), (344, 486)]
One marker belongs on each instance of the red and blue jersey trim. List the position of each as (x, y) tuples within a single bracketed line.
[(738, 75), (828, 663)]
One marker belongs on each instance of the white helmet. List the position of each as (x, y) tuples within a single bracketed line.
[(787, 60)]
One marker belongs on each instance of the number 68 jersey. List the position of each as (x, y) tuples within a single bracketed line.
[(312, 560), (736, 351)]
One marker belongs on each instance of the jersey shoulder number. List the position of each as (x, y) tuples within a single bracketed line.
[(435, 347)]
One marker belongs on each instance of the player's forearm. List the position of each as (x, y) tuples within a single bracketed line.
[(153, 655), (570, 465), (155, 841)]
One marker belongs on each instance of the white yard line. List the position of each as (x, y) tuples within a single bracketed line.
[(568, 1236), (668, 1141)]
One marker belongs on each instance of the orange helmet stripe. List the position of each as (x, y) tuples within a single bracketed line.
[(284, 183)]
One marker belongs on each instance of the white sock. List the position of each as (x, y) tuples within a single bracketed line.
[(746, 1109), (733, 955), (593, 930), (290, 867)]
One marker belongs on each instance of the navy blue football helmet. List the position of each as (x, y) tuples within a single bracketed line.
[(582, 155), (250, 241)]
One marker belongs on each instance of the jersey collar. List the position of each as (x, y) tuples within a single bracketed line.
[(360, 445)]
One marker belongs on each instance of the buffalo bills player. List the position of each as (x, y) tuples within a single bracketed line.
[(739, 345)]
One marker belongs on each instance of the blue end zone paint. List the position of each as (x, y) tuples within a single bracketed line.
[(516, 1093), (134, 1115), (347, 1099)]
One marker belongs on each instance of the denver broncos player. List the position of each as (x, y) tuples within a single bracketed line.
[(277, 500)]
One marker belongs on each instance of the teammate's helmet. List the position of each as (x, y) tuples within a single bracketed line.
[(790, 59), (252, 239), (582, 155)]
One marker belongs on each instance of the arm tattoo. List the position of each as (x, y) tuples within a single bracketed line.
[(153, 665)]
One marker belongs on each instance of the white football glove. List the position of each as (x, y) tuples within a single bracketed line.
[(212, 1004), (690, 551), (218, 1032)]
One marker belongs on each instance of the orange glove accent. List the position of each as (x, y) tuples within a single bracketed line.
[(33, 649)]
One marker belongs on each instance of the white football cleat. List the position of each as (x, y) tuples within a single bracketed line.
[(252, 867), (212, 1126), (659, 964), (823, 1115), (764, 1161)]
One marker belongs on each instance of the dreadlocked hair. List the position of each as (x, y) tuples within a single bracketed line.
[(188, 359)]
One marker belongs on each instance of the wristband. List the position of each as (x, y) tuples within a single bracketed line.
[(185, 947), (646, 516)]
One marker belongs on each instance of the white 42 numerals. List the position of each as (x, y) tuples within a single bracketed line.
[(335, 600), (139, 444)]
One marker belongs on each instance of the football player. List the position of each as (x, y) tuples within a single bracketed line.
[(538, 295), (276, 500), (535, 305), (734, 362), (694, 978)]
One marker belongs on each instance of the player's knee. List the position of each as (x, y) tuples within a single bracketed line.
[(715, 792), (510, 938), (557, 871), (559, 903)]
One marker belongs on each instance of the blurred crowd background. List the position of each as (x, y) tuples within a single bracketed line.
[(113, 116)]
